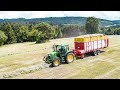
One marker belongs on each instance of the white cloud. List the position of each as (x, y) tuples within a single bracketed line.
[(30, 14), (41, 14), (99, 14), (111, 15)]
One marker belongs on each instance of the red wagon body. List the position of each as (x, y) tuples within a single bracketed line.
[(89, 43)]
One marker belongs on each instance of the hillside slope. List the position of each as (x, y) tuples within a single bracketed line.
[(59, 20)]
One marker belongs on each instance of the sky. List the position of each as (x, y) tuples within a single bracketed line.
[(110, 15)]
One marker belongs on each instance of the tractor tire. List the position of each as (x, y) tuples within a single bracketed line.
[(56, 62), (70, 58)]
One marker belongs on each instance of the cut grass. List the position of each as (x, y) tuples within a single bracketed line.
[(92, 72), (24, 60)]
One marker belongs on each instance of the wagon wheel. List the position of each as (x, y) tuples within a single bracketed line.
[(98, 52), (94, 53)]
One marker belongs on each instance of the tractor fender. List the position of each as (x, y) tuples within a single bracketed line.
[(68, 52)]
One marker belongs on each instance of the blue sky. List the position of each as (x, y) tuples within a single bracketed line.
[(110, 15)]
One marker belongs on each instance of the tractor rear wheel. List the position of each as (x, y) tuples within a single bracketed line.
[(56, 62), (70, 58)]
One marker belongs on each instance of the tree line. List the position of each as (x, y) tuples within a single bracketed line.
[(41, 32), (17, 33), (28, 32), (111, 31)]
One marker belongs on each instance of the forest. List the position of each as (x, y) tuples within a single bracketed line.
[(40, 32)]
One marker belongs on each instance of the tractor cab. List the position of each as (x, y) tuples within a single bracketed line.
[(62, 49)]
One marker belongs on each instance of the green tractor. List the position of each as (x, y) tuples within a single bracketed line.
[(61, 54)]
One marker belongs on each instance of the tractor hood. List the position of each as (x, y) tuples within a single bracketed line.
[(51, 56), (52, 53)]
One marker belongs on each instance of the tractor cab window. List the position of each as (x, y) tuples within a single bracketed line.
[(58, 48), (62, 49)]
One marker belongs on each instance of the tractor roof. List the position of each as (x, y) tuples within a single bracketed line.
[(62, 45)]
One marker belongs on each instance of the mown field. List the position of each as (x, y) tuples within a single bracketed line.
[(25, 61)]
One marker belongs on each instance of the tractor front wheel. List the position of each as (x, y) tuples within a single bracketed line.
[(70, 58), (56, 62)]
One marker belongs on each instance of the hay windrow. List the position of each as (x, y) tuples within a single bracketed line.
[(20, 71)]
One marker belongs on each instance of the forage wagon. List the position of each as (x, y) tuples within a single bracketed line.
[(90, 43)]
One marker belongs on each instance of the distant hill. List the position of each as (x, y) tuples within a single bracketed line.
[(116, 21), (61, 20)]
